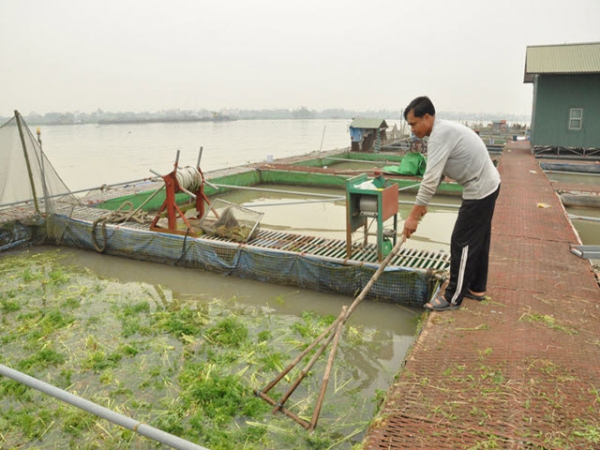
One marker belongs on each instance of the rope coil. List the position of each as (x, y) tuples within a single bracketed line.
[(122, 214), (189, 178)]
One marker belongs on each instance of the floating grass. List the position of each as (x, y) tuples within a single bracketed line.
[(183, 364)]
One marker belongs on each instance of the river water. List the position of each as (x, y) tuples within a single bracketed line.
[(87, 156)]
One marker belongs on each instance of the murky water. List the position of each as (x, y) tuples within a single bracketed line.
[(392, 326), (118, 303), (589, 231), (327, 218), (565, 177)]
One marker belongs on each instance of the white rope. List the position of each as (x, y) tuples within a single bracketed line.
[(189, 178)]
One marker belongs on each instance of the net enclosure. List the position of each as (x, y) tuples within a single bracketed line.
[(37, 207), (30, 188)]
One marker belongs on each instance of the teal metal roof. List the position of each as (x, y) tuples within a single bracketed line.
[(562, 59), (368, 123)]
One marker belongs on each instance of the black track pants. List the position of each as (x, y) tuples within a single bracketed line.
[(470, 248)]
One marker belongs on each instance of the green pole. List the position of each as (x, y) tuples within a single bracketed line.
[(35, 200)]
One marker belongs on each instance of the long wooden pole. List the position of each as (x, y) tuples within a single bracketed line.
[(297, 359), (29, 171), (286, 411), (345, 314), (305, 370), (375, 276), (331, 335), (328, 334), (336, 341)]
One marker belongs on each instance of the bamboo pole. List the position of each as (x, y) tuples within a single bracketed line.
[(144, 203), (345, 314), (336, 341), (331, 335), (309, 365), (375, 276), (286, 411), (297, 359), (29, 171)]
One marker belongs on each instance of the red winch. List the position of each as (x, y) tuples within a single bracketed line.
[(189, 180)]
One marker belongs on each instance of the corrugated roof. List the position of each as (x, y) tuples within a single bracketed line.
[(368, 123), (562, 59)]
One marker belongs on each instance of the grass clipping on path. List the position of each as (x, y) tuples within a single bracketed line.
[(187, 366)]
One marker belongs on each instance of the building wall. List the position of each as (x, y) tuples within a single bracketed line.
[(554, 96)]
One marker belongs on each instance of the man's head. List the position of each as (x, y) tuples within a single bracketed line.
[(420, 115)]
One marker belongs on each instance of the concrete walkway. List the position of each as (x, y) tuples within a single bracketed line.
[(521, 369)]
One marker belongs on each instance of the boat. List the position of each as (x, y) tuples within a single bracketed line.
[(171, 219)]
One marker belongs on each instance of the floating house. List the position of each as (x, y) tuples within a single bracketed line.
[(566, 98), (499, 126), (367, 135)]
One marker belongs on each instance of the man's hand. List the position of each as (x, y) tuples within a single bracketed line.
[(412, 221)]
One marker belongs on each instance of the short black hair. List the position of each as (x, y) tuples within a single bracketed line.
[(420, 106)]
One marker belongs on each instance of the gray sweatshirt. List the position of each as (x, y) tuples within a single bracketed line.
[(457, 152)]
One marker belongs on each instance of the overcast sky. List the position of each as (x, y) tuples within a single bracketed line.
[(134, 55)]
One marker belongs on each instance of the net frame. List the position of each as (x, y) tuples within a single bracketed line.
[(229, 220)]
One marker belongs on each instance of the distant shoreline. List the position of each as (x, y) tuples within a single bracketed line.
[(164, 120)]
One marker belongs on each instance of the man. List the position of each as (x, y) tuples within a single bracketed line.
[(456, 151)]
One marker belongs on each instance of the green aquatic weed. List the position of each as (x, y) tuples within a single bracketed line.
[(229, 332), (178, 363)]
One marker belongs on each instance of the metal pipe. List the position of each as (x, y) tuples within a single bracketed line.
[(592, 157), (124, 183), (410, 187), (336, 199), (298, 202), (216, 188), (322, 139), (330, 158), (116, 418), (571, 172), (592, 219), (177, 160), (437, 205), (199, 156), (276, 191), (144, 203)]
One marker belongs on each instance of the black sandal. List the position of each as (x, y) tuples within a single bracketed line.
[(439, 303), (475, 297)]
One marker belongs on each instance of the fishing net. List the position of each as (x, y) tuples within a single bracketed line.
[(30, 188), (230, 221), (26, 176)]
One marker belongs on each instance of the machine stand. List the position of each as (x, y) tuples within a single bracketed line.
[(373, 198)]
